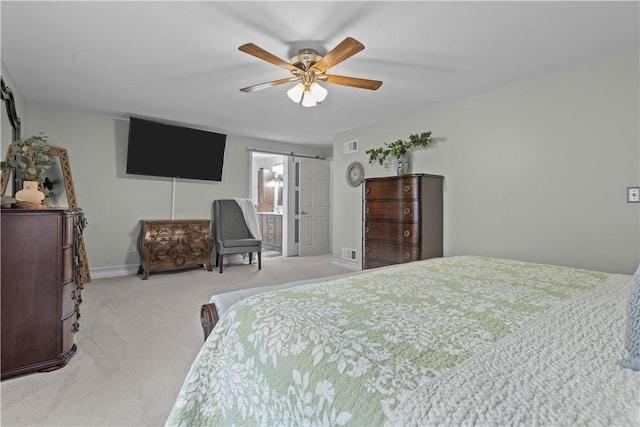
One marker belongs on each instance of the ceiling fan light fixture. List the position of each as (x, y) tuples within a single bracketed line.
[(312, 96), (307, 67), (308, 100), (296, 92), (318, 93)]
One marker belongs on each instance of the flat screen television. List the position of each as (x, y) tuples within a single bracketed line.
[(158, 149)]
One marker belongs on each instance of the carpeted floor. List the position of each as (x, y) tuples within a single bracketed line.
[(269, 253), (136, 343)]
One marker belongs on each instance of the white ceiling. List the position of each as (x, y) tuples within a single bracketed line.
[(178, 61)]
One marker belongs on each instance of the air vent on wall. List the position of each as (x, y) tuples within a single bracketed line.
[(350, 254), (350, 146)]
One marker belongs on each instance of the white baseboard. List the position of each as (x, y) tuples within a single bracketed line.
[(347, 264), (114, 271)]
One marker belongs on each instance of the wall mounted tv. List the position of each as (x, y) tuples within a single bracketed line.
[(158, 149)]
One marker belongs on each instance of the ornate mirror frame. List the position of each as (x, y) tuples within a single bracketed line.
[(64, 172), (7, 97)]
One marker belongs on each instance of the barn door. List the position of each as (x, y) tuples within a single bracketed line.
[(314, 207)]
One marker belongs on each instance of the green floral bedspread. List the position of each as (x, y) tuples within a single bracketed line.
[(341, 352)]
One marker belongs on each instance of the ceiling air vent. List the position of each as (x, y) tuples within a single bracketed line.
[(350, 146)]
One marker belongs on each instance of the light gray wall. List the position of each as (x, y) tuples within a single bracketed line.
[(536, 170), (115, 202)]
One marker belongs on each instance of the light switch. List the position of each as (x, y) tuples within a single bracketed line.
[(633, 195)]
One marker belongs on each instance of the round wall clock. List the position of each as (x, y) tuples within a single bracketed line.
[(355, 174)]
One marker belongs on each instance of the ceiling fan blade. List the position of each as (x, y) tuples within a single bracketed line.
[(351, 81), (260, 53), (346, 49), (269, 84)]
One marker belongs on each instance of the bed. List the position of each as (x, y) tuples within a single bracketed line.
[(461, 340)]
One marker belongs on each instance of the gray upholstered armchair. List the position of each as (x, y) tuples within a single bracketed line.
[(231, 234)]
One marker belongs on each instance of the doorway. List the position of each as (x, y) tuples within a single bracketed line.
[(267, 192), (292, 198)]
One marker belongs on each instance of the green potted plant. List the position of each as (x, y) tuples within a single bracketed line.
[(30, 158), (398, 149)]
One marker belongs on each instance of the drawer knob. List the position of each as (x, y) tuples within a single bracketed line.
[(406, 188), (366, 229), (407, 233), (366, 249), (366, 190), (407, 255), (366, 210), (407, 211)]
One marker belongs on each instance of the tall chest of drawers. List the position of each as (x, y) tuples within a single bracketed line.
[(402, 219), (41, 288)]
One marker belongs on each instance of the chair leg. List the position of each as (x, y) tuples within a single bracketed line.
[(217, 256), (259, 260), (250, 257), (221, 261)]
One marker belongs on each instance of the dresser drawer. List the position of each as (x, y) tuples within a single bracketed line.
[(195, 230), (68, 230), (67, 264), (406, 233), (69, 328), (403, 211), (397, 188), (69, 299), (391, 252), (161, 241), (197, 239), (375, 263)]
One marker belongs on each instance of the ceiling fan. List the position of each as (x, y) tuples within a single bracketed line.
[(309, 68)]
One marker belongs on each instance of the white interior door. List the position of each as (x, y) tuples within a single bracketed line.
[(314, 207)]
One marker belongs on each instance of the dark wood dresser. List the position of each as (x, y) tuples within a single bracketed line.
[(402, 219), (172, 244), (41, 288)]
